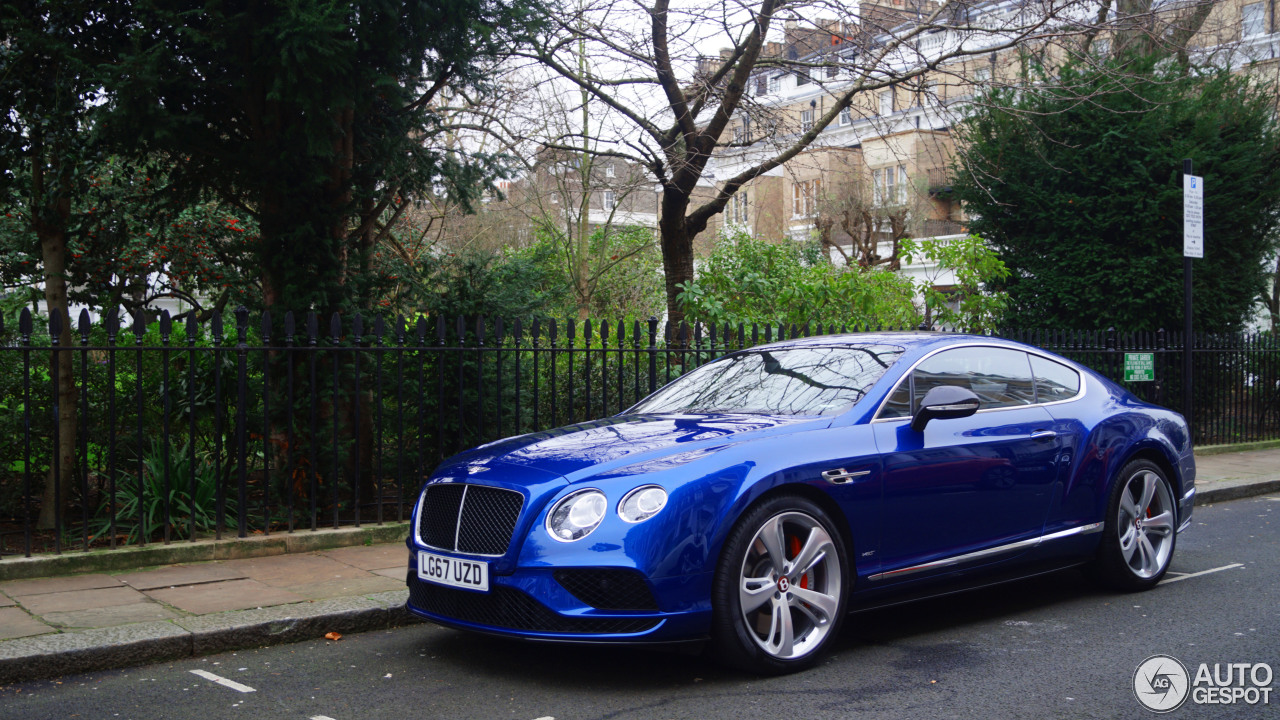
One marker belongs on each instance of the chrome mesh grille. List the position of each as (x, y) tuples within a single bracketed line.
[(472, 519)]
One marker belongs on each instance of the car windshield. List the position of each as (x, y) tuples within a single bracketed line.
[(787, 381)]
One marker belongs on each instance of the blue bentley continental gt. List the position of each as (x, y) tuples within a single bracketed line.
[(758, 499)]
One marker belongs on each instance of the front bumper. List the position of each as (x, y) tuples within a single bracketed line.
[(532, 604)]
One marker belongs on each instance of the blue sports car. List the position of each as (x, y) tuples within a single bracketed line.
[(758, 499)]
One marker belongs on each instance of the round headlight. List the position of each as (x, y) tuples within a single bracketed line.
[(574, 517), (642, 503)]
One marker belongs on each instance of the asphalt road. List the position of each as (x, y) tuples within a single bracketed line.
[(1045, 648)]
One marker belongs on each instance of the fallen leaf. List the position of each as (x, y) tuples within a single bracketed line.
[(333, 636)]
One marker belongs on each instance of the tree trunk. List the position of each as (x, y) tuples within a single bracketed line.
[(53, 247), (677, 251)]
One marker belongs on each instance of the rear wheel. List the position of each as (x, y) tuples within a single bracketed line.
[(779, 593), (1140, 530)]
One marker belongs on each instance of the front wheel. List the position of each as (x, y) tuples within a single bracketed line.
[(779, 593), (1140, 530)]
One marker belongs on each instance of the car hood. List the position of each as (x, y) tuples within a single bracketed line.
[(613, 445)]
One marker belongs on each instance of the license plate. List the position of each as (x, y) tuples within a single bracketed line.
[(454, 572)]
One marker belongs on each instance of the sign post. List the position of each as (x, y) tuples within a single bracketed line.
[(1192, 247)]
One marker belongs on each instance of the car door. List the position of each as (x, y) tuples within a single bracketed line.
[(965, 491)]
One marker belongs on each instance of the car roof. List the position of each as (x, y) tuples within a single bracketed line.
[(906, 339)]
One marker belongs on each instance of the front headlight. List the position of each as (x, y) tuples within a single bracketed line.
[(642, 503), (574, 517)]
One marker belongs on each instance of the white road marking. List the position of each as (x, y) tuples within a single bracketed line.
[(1202, 572), (223, 681), (321, 717)]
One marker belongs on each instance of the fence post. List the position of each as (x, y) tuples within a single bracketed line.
[(83, 434), (55, 342), (139, 330), (653, 354), (242, 420), (166, 330), (24, 330)]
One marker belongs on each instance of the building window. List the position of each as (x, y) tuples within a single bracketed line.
[(982, 76), (1253, 19), (806, 120), (609, 199), (802, 78), (886, 102), (762, 85), (889, 185), (609, 171), (738, 205), (804, 197), (775, 84), (833, 70), (846, 116)]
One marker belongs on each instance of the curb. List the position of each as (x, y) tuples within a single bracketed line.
[(133, 558), (1236, 492), (1207, 450), (53, 655)]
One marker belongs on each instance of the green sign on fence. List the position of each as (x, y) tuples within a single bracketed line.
[(1139, 367)]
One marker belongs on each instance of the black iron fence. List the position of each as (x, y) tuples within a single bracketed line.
[(188, 430)]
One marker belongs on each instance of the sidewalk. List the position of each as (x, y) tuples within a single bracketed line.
[(52, 626)]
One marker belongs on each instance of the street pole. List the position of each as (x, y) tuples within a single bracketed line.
[(1188, 335)]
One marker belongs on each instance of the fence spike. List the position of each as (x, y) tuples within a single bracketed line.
[(357, 329), (242, 324), (379, 329), (313, 327), (480, 331), (166, 326), (24, 323), (499, 331), (518, 332), (193, 327), (400, 329), (139, 325), (335, 328), (290, 326), (55, 325), (266, 327), (83, 322)]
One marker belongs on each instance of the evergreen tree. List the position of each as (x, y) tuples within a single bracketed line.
[(1076, 181)]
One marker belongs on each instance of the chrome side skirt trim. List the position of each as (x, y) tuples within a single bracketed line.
[(967, 557)]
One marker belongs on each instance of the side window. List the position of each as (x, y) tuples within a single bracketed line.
[(1054, 381), (899, 403), (1000, 377)]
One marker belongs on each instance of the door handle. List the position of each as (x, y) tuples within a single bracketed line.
[(840, 476), (1043, 435)]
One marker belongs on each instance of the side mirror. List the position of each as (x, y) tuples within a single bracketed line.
[(945, 402)]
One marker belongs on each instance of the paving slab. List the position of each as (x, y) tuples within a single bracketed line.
[(6, 601), (223, 596), (80, 600), (41, 586), (372, 557), (111, 616), (16, 623), (286, 570), (395, 573), (345, 587), (176, 575)]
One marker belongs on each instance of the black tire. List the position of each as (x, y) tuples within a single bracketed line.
[(1140, 530), (795, 618)]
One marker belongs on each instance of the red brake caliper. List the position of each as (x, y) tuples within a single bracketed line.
[(795, 551)]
